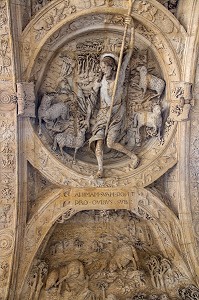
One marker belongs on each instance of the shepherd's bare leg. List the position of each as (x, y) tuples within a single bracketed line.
[(99, 156), (123, 149)]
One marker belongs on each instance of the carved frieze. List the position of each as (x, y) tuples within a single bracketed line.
[(54, 14), (5, 43), (107, 255), (7, 193)]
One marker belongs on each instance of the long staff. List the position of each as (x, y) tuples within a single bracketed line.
[(119, 67)]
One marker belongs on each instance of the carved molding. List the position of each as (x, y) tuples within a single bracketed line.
[(175, 34)]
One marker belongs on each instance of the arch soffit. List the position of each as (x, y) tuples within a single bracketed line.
[(55, 205), (53, 4)]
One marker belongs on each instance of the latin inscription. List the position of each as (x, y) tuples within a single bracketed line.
[(114, 199)]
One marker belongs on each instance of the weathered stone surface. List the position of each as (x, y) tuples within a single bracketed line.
[(99, 150)]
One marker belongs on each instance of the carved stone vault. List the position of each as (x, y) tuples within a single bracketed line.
[(99, 149)]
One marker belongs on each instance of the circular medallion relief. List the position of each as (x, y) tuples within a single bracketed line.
[(100, 121)]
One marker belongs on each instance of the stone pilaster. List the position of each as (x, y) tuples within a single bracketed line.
[(8, 151)]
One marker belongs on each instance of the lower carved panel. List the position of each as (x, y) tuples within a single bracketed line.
[(105, 255)]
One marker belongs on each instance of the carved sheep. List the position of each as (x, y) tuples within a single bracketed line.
[(150, 81), (74, 270), (149, 119), (46, 102), (55, 111), (67, 139), (49, 112), (122, 257)]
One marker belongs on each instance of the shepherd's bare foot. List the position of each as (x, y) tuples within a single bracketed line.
[(100, 174)]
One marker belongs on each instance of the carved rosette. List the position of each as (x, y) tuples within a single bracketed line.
[(6, 242), (7, 96)]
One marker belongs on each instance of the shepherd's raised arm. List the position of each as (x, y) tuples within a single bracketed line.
[(115, 88)]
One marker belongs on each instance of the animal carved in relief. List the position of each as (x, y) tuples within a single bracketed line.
[(69, 140), (46, 102), (72, 274), (50, 113), (122, 257), (43, 25), (151, 120), (55, 111), (149, 81)]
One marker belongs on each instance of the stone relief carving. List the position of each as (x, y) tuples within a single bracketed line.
[(162, 274), (5, 216), (36, 278), (7, 156), (6, 242), (8, 169), (181, 89), (37, 5), (149, 209), (177, 38), (49, 18), (181, 92), (180, 112), (189, 293), (4, 268), (26, 99), (171, 5), (60, 12), (5, 49), (148, 81), (119, 260), (74, 107), (7, 151)]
